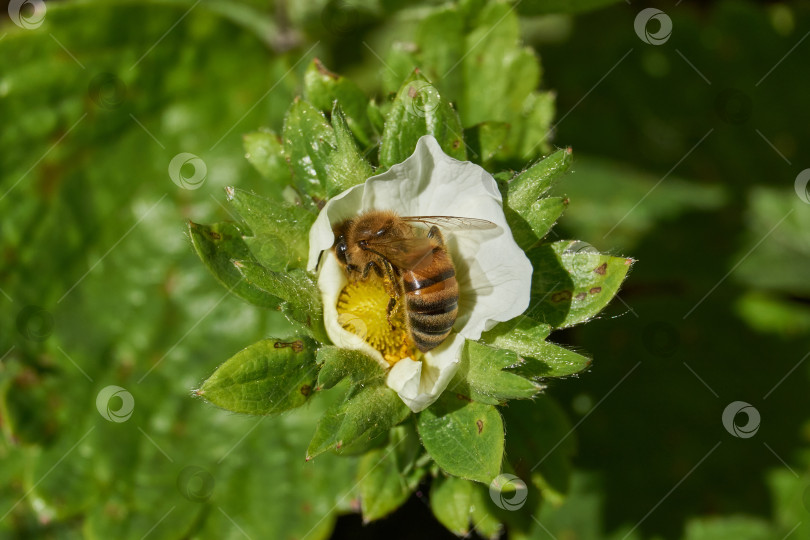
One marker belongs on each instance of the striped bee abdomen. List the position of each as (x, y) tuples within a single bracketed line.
[(432, 301)]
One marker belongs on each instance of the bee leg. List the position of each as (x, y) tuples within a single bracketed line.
[(393, 288), (392, 303), (367, 269), (436, 234)]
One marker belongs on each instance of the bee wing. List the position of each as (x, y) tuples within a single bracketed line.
[(404, 253), (452, 223)]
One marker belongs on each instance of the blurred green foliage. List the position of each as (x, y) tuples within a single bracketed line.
[(100, 287)]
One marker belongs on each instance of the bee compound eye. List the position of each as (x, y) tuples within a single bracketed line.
[(340, 250)]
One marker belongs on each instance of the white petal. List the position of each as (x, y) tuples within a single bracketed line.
[(337, 209), (331, 281), (493, 272), (419, 384)]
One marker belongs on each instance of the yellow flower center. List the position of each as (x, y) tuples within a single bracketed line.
[(363, 310)]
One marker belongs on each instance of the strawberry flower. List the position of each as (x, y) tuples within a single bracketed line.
[(493, 273)]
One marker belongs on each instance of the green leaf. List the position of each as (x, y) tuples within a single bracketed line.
[(538, 358), (264, 150), (368, 411), (337, 364), (387, 476), (540, 445), (419, 110), (308, 142), (440, 40), (322, 88), (496, 64), (528, 186), (278, 229), (464, 438), (482, 377), (572, 282), (301, 298), (347, 167), (269, 377), (217, 245), (485, 140), (451, 503)]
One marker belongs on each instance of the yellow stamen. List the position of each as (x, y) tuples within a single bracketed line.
[(363, 310)]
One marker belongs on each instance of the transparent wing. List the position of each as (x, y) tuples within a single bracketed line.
[(404, 253), (452, 223)]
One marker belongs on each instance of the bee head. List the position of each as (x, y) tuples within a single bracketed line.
[(340, 249)]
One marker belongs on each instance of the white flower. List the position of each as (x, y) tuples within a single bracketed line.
[(493, 273)]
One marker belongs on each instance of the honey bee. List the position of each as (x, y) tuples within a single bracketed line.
[(415, 266)]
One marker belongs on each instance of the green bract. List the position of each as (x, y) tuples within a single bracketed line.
[(331, 141)]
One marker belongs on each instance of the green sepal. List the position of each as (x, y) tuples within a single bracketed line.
[(530, 217), (269, 377), (308, 142), (347, 167), (464, 438)]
